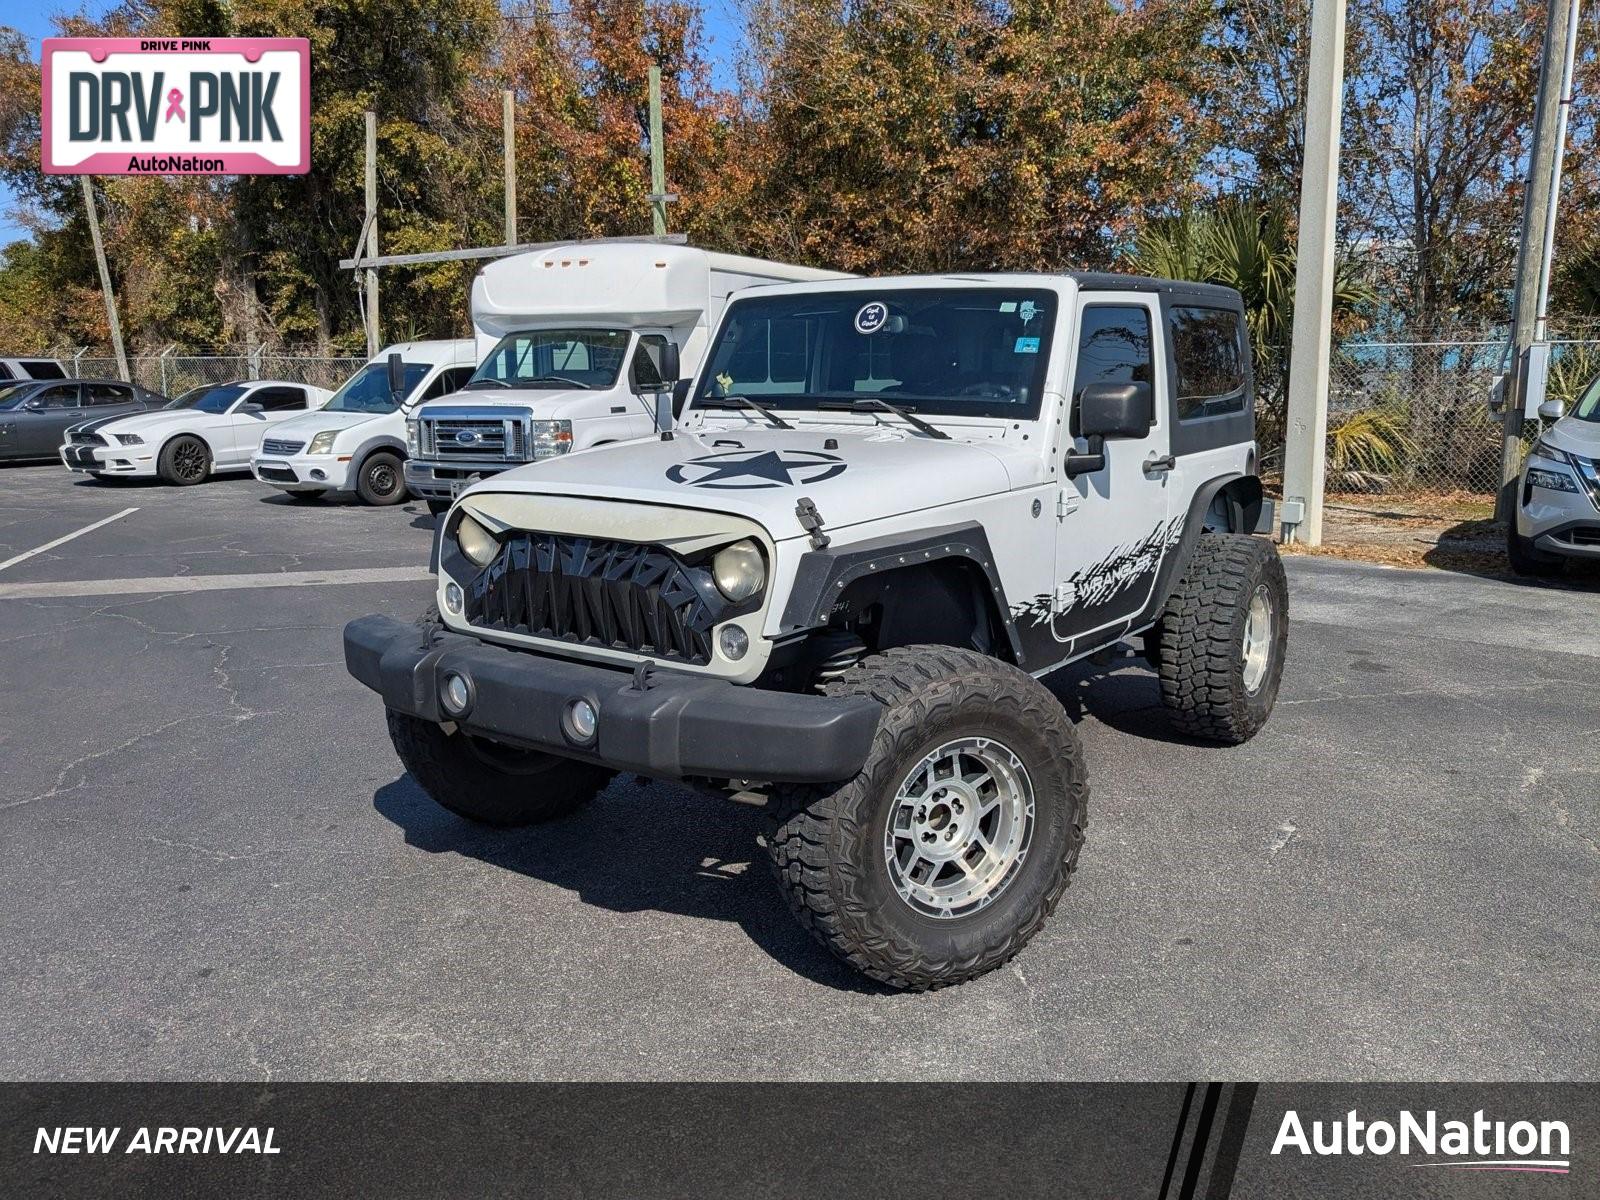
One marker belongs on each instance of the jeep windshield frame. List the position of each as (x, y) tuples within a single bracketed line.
[(966, 350)]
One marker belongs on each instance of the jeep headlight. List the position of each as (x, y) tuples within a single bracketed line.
[(130, 439), (476, 542), (550, 438), (323, 442), (413, 438), (738, 570)]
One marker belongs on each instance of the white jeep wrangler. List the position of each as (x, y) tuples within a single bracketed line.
[(891, 506)]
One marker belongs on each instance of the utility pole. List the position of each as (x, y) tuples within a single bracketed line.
[(1306, 448), (372, 234), (508, 122), (105, 280), (1541, 331), (1538, 201), (659, 196)]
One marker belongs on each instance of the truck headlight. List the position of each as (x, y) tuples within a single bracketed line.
[(550, 438), (413, 439), (476, 542), (323, 442), (739, 571), (130, 439)]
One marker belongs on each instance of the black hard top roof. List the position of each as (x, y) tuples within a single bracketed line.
[(1110, 281)]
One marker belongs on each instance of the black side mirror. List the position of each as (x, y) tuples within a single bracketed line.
[(664, 357), (397, 378), (1110, 410)]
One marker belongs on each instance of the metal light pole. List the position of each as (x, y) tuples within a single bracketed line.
[(1538, 201), (1305, 449)]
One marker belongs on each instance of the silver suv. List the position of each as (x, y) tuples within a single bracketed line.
[(1558, 499)]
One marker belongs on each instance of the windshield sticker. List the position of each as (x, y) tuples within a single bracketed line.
[(870, 317), (1027, 312), (741, 470), (1026, 345), (1008, 306)]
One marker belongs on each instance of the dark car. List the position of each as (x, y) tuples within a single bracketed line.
[(35, 413)]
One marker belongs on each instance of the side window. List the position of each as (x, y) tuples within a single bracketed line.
[(1208, 350), (644, 373), (5, 372), (278, 399), (61, 396), (43, 369), (1113, 346), (108, 393), (449, 380)]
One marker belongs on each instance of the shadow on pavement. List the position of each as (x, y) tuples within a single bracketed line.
[(1478, 547), (638, 847)]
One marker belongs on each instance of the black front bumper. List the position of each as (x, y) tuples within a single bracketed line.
[(677, 726)]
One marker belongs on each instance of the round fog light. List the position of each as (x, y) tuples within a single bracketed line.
[(456, 694), (580, 721), (453, 598), (319, 474), (733, 642)]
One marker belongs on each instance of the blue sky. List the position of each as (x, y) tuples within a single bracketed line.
[(722, 34)]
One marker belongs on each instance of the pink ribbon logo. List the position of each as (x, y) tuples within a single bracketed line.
[(175, 105)]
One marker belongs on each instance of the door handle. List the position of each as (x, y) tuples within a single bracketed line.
[(1159, 464)]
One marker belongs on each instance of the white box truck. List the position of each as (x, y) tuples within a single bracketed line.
[(357, 441), (567, 341)]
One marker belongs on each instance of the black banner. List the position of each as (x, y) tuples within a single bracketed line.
[(1162, 1141)]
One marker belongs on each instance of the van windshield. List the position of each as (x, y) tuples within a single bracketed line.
[(367, 391), (554, 360), (974, 351)]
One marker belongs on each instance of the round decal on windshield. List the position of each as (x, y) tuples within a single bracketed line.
[(871, 317)]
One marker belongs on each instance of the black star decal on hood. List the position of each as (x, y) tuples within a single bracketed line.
[(766, 469)]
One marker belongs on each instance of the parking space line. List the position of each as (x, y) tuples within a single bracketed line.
[(27, 554), (146, 585)]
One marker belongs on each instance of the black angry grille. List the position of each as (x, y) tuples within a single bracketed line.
[(618, 595)]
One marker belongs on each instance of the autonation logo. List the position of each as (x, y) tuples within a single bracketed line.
[(1476, 1145)]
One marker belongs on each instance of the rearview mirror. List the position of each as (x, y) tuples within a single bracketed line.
[(1552, 410), (397, 377), (1115, 410)]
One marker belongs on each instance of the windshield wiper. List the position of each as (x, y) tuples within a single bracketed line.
[(871, 403), (773, 418), (486, 381)]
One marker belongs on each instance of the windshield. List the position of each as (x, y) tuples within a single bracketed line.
[(555, 359), (1588, 407), (367, 391), (945, 351), (12, 394), (210, 399)]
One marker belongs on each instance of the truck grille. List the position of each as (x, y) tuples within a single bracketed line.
[(280, 447), (474, 435), (618, 595)]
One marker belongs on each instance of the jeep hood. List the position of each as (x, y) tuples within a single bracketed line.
[(853, 473)]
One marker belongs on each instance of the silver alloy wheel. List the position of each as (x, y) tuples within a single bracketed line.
[(959, 828), (1257, 650)]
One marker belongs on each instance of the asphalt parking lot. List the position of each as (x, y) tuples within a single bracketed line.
[(211, 865)]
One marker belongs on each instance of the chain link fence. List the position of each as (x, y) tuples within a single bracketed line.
[(172, 374), (1403, 416), (1414, 416)]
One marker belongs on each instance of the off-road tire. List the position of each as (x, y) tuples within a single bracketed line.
[(1199, 641), (491, 784), (438, 507), (381, 479), (826, 842), (1526, 558), (184, 461), (466, 775)]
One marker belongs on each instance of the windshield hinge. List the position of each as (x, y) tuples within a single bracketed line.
[(811, 521)]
